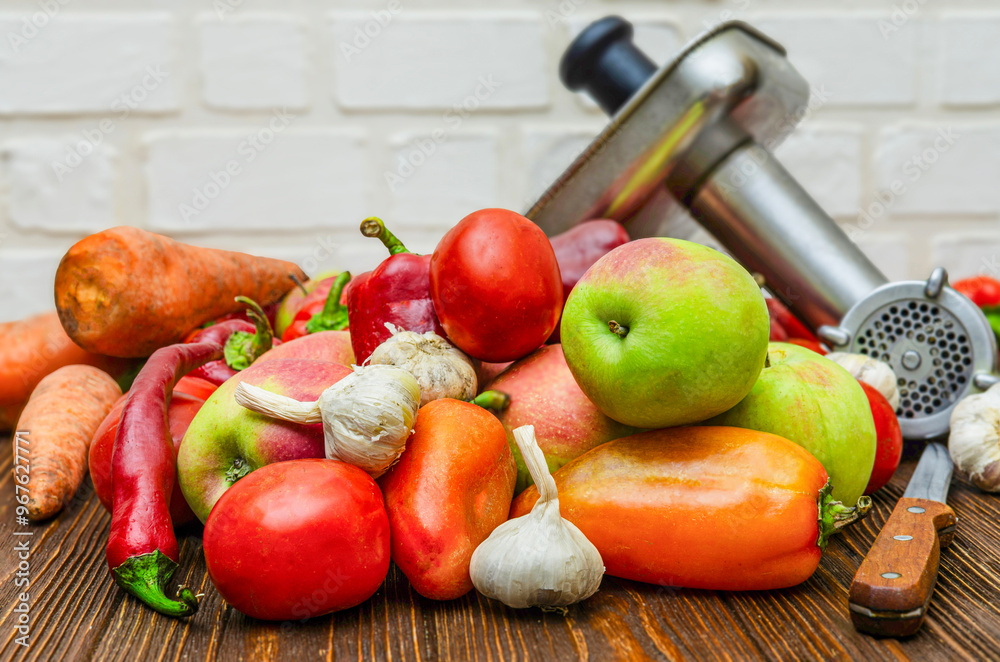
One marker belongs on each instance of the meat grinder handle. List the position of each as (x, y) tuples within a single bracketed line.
[(603, 62), (772, 226), (747, 200)]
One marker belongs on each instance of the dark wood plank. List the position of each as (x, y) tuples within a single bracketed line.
[(77, 613)]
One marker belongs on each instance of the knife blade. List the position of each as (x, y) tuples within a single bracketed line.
[(892, 588)]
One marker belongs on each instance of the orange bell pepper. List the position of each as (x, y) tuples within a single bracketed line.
[(701, 507), (451, 487)]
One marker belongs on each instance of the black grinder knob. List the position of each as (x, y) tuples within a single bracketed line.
[(603, 62)]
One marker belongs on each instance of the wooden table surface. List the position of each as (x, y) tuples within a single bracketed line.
[(76, 611)]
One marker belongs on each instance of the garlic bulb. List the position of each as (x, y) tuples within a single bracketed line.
[(873, 372), (441, 369), (367, 416), (974, 441), (538, 559)]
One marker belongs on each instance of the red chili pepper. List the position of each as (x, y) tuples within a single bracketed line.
[(787, 321), (396, 291), (983, 290), (142, 551), (322, 309), (580, 247), (246, 342)]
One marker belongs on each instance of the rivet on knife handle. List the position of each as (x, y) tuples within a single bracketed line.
[(891, 589)]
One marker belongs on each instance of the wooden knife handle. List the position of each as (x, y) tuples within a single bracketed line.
[(890, 592)]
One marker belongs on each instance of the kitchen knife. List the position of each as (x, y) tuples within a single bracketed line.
[(891, 589)]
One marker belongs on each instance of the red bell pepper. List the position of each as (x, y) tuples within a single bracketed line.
[(396, 291), (296, 297), (446, 494), (142, 550), (701, 507), (579, 248), (322, 309)]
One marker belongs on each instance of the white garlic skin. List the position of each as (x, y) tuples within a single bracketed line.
[(538, 559), (974, 440), (441, 369), (368, 416), (875, 373)]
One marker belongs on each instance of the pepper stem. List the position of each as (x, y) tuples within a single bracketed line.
[(145, 576), (834, 516), (495, 401), (374, 227), (333, 317), (619, 330), (242, 348)]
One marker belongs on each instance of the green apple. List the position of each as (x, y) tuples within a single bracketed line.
[(227, 441), (814, 402), (662, 332)]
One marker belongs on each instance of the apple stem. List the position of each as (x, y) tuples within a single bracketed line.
[(239, 469), (834, 516), (619, 330), (767, 360)]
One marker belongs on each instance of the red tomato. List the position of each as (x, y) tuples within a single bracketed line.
[(298, 539), (183, 408), (983, 290), (890, 439), (496, 285)]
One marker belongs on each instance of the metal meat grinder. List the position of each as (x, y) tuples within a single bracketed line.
[(696, 137)]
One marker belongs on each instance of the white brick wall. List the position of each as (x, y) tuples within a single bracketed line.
[(254, 62), (263, 176), (121, 113), (86, 64)]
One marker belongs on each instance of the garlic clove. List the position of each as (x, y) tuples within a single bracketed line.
[(538, 559), (877, 374), (441, 369), (367, 416), (974, 439)]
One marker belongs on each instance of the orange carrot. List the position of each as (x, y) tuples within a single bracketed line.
[(34, 347), (128, 292), (54, 433)]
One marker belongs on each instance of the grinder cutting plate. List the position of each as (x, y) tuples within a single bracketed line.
[(695, 137)]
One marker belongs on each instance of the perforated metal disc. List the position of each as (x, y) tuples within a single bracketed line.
[(935, 344)]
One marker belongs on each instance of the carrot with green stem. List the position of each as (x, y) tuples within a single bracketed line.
[(128, 292)]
